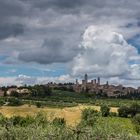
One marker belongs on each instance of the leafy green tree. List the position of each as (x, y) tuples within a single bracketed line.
[(22, 121), (123, 111), (40, 91), (105, 110), (2, 102), (113, 114), (15, 94), (16, 120), (14, 102), (89, 116), (38, 104), (136, 122), (41, 119), (59, 122), (2, 119), (134, 109)]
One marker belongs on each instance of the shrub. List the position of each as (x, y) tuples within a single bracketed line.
[(105, 110), (22, 121), (134, 109), (41, 119), (59, 121), (2, 102), (16, 120), (38, 104), (136, 122), (123, 111), (15, 94), (113, 114), (27, 121), (2, 119), (136, 119), (89, 116), (14, 102)]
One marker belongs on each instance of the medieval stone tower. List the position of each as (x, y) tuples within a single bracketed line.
[(86, 78), (98, 80)]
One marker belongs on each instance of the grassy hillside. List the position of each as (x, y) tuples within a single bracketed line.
[(41, 128), (71, 114)]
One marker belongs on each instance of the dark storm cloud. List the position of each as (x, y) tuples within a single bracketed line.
[(8, 11), (52, 51), (10, 8), (8, 30), (92, 7), (56, 3), (65, 19), (66, 6)]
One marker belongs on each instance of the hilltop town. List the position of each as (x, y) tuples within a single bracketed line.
[(95, 87), (92, 87)]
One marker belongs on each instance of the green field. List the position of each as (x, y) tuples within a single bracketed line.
[(70, 106), (62, 99)]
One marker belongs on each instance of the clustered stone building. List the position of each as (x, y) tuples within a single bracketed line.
[(1, 93), (94, 86)]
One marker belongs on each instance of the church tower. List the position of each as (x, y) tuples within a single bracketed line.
[(98, 80), (77, 82), (86, 78)]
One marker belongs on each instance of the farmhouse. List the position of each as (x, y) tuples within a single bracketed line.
[(20, 91)]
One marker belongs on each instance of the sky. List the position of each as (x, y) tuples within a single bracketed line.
[(61, 40)]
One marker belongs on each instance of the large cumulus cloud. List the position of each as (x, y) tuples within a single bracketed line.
[(24, 79), (106, 54), (29, 80)]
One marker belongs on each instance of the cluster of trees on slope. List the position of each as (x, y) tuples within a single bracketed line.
[(134, 95)]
